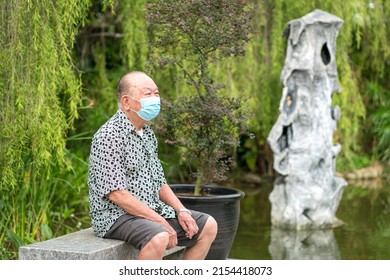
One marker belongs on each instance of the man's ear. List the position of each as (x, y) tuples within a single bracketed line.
[(125, 102)]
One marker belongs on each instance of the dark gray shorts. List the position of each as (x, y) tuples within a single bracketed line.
[(138, 231)]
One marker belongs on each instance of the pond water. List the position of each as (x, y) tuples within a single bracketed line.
[(364, 208)]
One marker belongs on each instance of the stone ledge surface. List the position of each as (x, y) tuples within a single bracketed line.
[(85, 245)]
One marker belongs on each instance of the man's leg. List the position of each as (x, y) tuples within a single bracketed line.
[(149, 237), (155, 248), (202, 246)]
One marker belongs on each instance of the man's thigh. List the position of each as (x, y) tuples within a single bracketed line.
[(138, 231), (134, 230)]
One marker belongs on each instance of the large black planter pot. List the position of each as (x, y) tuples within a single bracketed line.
[(223, 204)]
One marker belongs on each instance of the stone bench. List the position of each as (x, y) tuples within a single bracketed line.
[(85, 245)]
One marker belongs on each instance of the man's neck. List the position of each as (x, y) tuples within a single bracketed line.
[(137, 122)]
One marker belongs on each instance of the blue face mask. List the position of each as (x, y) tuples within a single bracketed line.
[(150, 107)]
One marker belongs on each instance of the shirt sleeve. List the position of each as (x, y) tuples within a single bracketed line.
[(106, 164)]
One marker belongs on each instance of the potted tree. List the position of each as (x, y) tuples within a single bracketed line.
[(206, 125)]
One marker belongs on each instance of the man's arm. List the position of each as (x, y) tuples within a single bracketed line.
[(168, 196), (133, 206), (185, 219)]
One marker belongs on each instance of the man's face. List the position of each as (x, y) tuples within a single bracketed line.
[(142, 86), (145, 88)]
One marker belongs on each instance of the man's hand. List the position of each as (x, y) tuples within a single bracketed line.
[(188, 224), (172, 235), (185, 219)]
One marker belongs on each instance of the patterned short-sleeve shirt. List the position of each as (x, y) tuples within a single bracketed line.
[(121, 159)]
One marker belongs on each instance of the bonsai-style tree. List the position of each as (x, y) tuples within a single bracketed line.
[(192, 35)]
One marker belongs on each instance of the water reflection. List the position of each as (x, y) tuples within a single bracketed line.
[(303, 245), (365, 209)]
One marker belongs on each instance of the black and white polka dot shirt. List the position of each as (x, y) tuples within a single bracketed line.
[(121, 159)]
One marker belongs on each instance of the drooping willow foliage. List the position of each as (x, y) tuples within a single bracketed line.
[(40, 89), (40, 92)]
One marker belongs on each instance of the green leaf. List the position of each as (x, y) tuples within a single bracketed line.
[(46, 231), (15, 239)]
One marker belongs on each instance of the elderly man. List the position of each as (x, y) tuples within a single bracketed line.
[(129, 197)]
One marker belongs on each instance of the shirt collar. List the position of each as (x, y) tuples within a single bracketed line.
[(126, 123)]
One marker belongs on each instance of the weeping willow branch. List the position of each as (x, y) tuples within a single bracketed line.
[(40, 89)]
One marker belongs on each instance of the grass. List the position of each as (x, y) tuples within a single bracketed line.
[(54, 204)]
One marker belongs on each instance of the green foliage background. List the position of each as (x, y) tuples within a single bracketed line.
[(61, 60)]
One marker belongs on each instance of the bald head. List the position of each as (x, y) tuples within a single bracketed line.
[(129, 82)]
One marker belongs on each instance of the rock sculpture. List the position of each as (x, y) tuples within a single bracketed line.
[(307, 192)]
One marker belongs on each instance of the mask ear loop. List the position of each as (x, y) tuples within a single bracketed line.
[(136, 100)]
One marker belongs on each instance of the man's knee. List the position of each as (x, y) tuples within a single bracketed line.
[(154, 249), (159, 241), (211, 228)]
